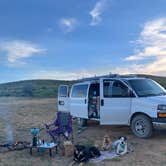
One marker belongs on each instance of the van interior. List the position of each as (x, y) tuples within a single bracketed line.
[(94, 101)]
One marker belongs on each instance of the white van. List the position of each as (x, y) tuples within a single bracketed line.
[(116, 100)]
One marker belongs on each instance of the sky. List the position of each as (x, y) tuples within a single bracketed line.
[(71, 39)]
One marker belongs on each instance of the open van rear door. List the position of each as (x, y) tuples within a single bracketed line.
[(79, 100), (63, 98)]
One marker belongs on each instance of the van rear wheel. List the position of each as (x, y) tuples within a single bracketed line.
[(142, 126)]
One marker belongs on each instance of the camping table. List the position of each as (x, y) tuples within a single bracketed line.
[(49, 146)]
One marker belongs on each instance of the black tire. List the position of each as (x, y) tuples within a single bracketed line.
[(82, 122), (142, 126)]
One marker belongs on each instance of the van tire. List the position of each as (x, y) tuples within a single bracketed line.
[(82, 122), (142, 126)]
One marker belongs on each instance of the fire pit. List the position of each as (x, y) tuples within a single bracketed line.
[(18, 145)]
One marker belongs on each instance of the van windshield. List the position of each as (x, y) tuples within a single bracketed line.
[(146, 87)]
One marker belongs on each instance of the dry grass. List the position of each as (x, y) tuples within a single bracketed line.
[(25, 114)]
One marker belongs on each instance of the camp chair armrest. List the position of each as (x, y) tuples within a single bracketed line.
[(49, 125)]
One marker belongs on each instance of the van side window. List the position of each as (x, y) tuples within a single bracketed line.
[(115, 89), (119, 90), (79, 91), (108, 88)]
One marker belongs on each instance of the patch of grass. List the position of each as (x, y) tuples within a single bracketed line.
[(163, 163), (134, 143), (90, 164), (89, 142)]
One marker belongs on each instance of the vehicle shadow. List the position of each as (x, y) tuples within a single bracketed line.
[(160, 131)]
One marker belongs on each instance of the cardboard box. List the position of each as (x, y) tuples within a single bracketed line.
[(68, 148)]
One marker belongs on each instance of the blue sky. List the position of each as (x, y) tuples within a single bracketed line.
[(70, 39)]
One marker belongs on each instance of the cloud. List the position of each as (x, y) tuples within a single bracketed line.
[(17, 50), (98, 10), (75, 74), (68, 24), (152, 40), (61, 74), (151, 45)]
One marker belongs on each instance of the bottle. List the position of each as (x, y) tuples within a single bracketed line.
[(34, 141)]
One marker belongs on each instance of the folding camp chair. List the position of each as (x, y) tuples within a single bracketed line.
[(62, 126)]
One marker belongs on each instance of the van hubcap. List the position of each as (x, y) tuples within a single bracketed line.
[(140, 127)]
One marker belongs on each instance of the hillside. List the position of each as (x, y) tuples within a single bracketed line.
[(46, 88), (31, 88)]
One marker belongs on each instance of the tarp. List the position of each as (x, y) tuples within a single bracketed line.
[(105, 155)]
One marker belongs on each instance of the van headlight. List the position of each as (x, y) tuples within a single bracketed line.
[(161, 111), (161, 107)]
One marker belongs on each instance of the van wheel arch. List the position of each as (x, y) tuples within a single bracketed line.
[(138, 113)]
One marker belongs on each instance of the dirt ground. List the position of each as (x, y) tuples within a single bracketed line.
[(19, 115)]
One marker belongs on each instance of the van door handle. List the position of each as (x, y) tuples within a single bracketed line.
[(61, 103), (102, 102), (85, 101)]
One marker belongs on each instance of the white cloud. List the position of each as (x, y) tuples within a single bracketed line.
[(98, 10), (75, 74), (68, 24), (61, 74), (152, 39), (151, 44), (16, 50)]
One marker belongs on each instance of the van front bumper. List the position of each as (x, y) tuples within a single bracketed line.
[(159, 121)]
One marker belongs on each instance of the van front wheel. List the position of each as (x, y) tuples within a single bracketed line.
[(142, 126)]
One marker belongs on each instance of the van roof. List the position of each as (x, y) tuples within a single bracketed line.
[(133, 78)]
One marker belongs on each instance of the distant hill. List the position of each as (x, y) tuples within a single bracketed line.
[(32, 88), (46, 88)]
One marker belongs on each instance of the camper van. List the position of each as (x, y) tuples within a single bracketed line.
[(116, 100)]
